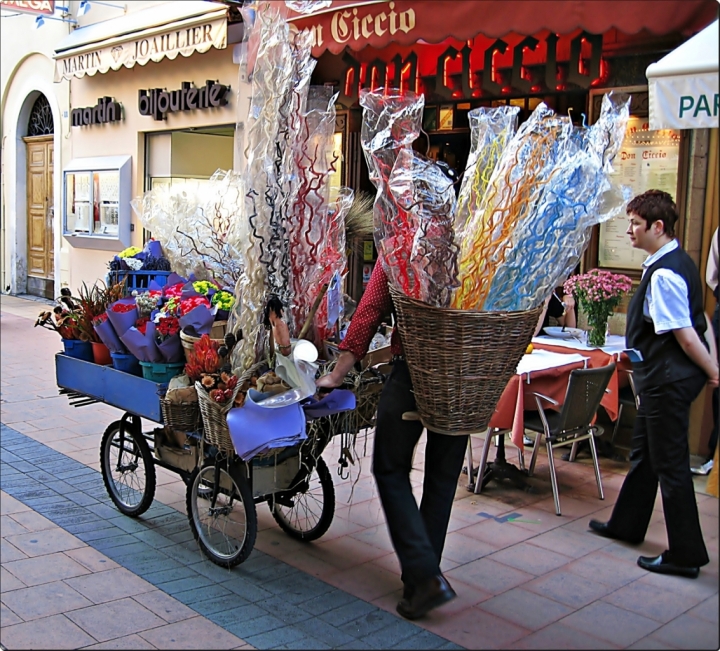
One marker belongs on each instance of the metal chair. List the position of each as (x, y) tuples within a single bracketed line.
[(627, 397), (573, 423)]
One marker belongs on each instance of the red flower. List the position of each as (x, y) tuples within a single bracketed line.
[(141, 323), (167, 327), (100, 318), (173, 290), (123, 307), (191, 303)]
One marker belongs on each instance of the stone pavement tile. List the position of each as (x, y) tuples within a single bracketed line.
[(648, 644), (327, 634), (110, 585), (56, 632), (8, 617), (44, 600), (688, 632), (91, 558), (568, 588), (9, 582), (346, 552), (196, 633), (284, 636), (704, 586), (707, 610), (127, 642), (367, 514), (313, 565), (616, 625), (422, 640), (326, 602), (45, 569), (10, 527), (497, 534), (32, 521), (45, 542), (569, 543), (165, 606), (374, 621), (607, 569), (463, 549), (9, 504), (114, 619), (491, 576), (526, 609), (559, 636), (472, 626), (366, 581), (530, 559), (9, 552)]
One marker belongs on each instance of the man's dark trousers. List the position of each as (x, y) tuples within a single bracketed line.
[(418, 535), (660, 453)]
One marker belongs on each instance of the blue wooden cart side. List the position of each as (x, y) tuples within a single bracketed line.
[(116, 388)]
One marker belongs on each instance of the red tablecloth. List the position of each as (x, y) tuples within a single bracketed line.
[(553, 383)]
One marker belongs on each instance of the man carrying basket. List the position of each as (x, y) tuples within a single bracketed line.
[(417, 533)]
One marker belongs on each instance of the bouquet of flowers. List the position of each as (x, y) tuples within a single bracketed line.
[(134, 258), (598, 293), (210, 371)]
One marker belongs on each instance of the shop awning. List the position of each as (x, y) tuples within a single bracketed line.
[(152, 34), (357, 24), (684, 85)]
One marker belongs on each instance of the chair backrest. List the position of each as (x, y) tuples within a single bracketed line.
[(584, 393)]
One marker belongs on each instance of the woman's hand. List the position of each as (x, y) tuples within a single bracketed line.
[(336, 377)]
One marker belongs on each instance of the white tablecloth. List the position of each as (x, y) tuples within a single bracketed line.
[(540, 360), (614, 344)]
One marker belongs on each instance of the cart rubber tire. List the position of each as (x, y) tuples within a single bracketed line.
[(293, 526), (236, 551), (141, 452)]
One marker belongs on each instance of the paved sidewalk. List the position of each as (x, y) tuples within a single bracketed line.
[(525, 577)]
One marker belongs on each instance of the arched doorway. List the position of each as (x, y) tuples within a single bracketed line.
[(40, 205)]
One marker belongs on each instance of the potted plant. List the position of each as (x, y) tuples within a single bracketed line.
[(92, 303)]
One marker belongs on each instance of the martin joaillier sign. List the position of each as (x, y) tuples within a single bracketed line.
[(116, 53)]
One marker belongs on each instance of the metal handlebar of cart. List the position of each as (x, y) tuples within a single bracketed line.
[(222, 489)]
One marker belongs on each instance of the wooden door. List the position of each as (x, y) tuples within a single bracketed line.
[(40, 209)]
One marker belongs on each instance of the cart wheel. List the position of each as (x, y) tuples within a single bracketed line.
[(223, 521), (308, 514), (128, 469)]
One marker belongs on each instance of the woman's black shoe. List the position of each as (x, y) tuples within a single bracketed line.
[(427, 595), (661, 566), (603, 529)]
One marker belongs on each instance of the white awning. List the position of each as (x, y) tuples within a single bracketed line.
[(151, 34), (684, 84)]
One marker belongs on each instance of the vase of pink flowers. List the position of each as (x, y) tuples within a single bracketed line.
[(598, 293)]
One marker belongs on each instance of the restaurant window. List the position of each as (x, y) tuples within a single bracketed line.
[(646, 160)]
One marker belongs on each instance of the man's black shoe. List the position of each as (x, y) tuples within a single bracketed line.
[(659, 565), (427, 595), (603, 529)]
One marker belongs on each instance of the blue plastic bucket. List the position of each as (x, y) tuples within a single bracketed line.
[(126, 362), (79, 349), (161, 373)]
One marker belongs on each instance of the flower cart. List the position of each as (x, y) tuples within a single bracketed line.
[(222, 489)]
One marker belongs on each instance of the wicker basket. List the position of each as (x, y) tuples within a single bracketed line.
[(217, 334), (184, 417), (214, 415), (460, 362)]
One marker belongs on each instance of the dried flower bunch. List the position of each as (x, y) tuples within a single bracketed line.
[(75, 317), (210, 367)]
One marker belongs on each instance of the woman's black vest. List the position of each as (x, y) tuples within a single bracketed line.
[(664, 361)]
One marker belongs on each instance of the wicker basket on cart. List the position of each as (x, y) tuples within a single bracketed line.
[(183, 417), (217, 334), (214, 415), (460, 362)]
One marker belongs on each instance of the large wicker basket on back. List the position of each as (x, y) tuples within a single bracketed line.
[(460, 362)]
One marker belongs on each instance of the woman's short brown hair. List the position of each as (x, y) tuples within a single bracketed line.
[(653, 206)]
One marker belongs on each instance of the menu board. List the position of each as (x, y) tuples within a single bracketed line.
[(647, 160)]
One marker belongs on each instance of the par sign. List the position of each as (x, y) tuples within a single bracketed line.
[(684, 101)]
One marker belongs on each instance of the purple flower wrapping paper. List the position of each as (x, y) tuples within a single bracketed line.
[(109, 337)]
